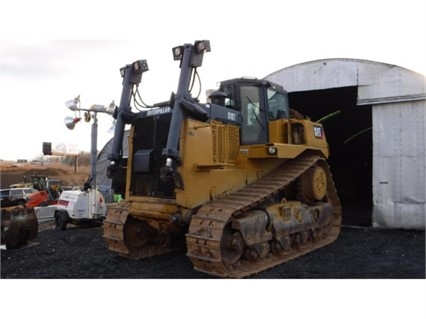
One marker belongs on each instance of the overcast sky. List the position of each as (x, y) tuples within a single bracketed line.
[(49, 57), (52, 51)]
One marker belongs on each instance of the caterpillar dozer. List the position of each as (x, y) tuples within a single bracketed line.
[(242, 180)]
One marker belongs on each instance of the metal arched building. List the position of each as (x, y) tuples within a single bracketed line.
[(117, 185), (374, 115)]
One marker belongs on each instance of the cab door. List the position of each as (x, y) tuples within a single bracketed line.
[(254, 127)]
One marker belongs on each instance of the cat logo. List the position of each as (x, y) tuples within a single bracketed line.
[(318, 131)]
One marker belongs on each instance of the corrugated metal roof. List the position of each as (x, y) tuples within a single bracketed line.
[(377, 82)]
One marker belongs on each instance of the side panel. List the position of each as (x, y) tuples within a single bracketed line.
[(46, 213), (399, 194), (292, 137), (207, 170), (214, 164), (82, 206)]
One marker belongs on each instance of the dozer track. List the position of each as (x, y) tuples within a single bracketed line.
[(214, 219), (131, 237)]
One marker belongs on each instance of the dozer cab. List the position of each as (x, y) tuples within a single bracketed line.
[(241, 180)]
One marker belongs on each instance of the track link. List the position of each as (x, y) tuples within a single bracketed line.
[(208, 225), (113, 228)]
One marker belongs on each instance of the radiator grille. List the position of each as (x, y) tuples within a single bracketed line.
[(233, 139), (149, 140), (225, 143)]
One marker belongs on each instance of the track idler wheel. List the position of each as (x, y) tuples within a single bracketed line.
[(281, 246), (314, 184), (231, 245), (276, 247), (136, 233)]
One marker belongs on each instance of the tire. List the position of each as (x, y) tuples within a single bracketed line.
[(61, 220), (12, 236)]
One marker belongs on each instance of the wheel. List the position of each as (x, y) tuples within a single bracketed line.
[(231, 245), (276, 247), (314, 184), (61, 220), (296, 240), (136, 233)]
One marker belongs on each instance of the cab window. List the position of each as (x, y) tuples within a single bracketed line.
[(278, 106), (15, 192), (253, 128)]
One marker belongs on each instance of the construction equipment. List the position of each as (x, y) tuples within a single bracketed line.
[(74, 207), (18, 225), (242, 180), (36, 181), (49, 191)]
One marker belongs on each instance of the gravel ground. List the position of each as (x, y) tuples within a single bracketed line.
[(81, 253)]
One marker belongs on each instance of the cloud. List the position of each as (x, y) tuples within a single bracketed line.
[(33, 59)]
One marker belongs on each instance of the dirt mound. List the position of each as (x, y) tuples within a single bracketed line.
[(46, 172), (12, 174)]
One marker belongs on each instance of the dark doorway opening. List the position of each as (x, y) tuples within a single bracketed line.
[(349, 135)]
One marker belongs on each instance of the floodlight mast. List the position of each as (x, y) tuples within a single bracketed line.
[(93, 152), (91, 112)]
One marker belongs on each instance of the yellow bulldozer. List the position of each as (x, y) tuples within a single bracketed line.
[(242, 180)]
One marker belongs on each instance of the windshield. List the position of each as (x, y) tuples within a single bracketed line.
[(278, 107), (30, 190)]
